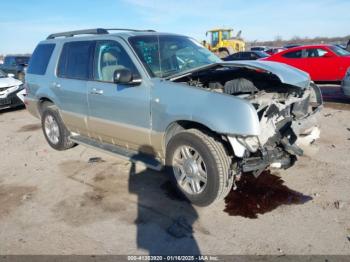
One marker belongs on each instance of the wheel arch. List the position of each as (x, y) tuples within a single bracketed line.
[(180, 125), (228, 49), (41, 102)]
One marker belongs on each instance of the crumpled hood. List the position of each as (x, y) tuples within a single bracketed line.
[(287, 74), (9, 81)]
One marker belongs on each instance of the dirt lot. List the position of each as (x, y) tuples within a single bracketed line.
[(58, 203)]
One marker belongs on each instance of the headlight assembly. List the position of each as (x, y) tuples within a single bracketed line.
[(250, 142)]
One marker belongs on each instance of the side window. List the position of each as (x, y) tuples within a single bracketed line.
[(111, 56), (315, 52), (236, 55), (214, 38), (225, 35), (40, 59), (293, 54), (10, 61), (75, 60), (245, 56), (253, 56)]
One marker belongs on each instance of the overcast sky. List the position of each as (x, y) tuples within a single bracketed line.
[(24, 23)]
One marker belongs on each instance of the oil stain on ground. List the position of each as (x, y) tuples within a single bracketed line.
[(261, 195), (29, 128), (11, 197)]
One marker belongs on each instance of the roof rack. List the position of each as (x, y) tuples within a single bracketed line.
[(96, 31)]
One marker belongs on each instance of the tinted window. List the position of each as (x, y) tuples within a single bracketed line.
[(315, 52), (22, 60), (75, 60), (293, 54), (244, 55), (9, 60), (111, 56), (40, 59)]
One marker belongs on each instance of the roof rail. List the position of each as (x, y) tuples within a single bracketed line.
[(96, 31), (128, 29)]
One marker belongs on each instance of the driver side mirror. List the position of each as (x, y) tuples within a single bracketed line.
[(124, 76)]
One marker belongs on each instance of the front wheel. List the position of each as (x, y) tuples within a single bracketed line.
[(199, 166)]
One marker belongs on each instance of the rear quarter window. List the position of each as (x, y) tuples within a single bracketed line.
[(293, 54), (40, 59)]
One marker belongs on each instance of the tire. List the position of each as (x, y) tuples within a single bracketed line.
[(50, 115), (213, 160), (223, 53)]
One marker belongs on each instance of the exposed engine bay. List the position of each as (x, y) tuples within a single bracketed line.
[(286, 113)]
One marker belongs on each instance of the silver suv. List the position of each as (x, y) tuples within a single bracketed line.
[(166, 101)]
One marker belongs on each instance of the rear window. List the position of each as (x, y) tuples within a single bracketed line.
[(75, 60), (40, 59)]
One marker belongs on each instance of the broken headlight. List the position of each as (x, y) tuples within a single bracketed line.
[(250, 142)]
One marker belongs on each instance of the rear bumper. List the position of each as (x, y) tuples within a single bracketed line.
[(32, 106)]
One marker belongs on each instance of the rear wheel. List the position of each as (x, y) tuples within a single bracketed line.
[(54, 130), (199, 166)]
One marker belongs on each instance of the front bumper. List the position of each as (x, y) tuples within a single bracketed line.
[(345, 86), (11, 100), (291, 136), (275, 157)]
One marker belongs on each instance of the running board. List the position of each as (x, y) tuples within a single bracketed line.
[(133, 156)]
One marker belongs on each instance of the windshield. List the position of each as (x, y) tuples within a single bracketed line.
[(339, 51), (262, 54), (2, 74), (166, 55)]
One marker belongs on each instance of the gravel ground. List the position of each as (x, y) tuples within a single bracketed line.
[(58, 203)]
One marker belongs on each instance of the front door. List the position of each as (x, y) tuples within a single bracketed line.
[(118, 114), (320, 66)]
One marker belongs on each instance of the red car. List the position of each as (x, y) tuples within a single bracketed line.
[(324, 63)]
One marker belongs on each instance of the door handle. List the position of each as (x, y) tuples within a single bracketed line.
[(57, 85), (96, 91)]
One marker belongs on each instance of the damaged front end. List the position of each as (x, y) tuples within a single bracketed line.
[(288, 123), (286, 103)]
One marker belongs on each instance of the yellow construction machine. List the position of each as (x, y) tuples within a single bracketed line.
[(223, 43)]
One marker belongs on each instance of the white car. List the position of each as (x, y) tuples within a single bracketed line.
[(9, 90)]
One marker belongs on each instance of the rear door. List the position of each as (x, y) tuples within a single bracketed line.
[(70, 85), (118, 113)]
